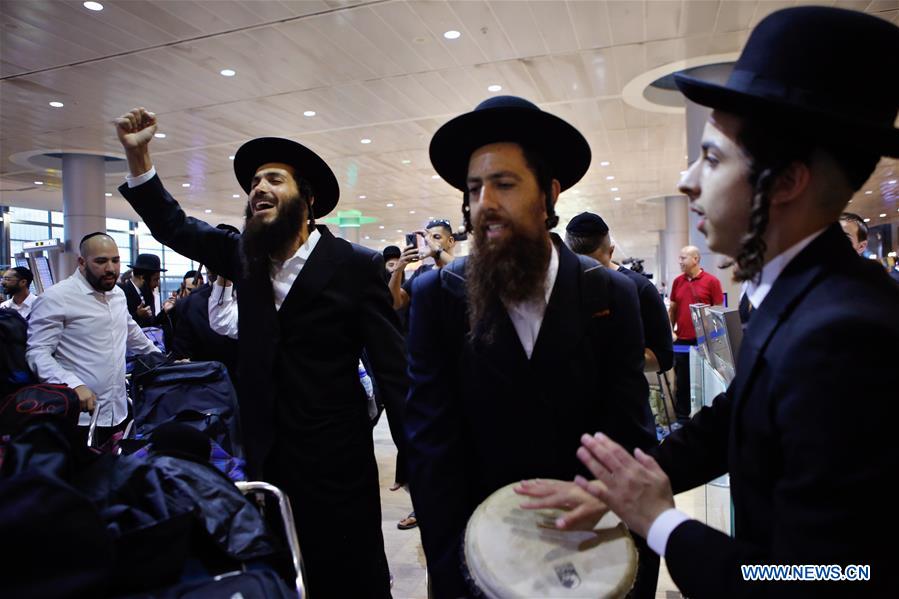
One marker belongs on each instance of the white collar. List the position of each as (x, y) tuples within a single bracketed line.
[(305, 249), (771, 271)]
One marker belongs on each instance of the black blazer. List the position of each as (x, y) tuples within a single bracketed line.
[(806, 431), (479, 417), (194, 339), (134, 299), (656, 324), (298, 374)]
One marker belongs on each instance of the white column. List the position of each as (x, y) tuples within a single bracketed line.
[(84, 205), (675, 236)]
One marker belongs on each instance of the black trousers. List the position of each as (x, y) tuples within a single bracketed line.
[(682, 376)]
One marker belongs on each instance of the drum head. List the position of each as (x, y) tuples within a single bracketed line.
[(511, 552)]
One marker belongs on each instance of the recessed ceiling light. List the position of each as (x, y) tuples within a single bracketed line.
[(227, 72), (884, 215), (380, 226), (92, 6), (412, 212), (159, 135), (235, 195), (868, 192), (683, 172), (208, 211), (613, 189), (399, 230), (452, 34), (38, 182), (185, 185), (390, 205), (309, 113), (494, 88), (383, 240), (867, 220), (231, 157), (617, 198), (605, 163), (435, 176), (407, 162), (368, 236), (362, 197), (365, 140), (610, 177), (892, 181), (108, 195), (56, 104)]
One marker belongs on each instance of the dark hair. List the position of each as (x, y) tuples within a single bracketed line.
[(191, 274), (440, 222), (140, 272), (584, 244), (23, 273), (772, 146), (851, 217), (544, 175)]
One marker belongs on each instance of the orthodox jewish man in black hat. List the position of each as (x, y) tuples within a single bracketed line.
[(146, 271), (308, 304), (806, 429), (534, 343)]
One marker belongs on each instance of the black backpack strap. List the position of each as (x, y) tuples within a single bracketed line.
[(595, 297)]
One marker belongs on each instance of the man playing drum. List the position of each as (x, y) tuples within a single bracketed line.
[(517, 348)]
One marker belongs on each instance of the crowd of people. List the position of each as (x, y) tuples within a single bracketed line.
[(524, 361)]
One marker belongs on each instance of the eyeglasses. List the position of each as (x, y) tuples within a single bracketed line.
[(11, 279)]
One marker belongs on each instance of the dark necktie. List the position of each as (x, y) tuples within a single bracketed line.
[(745, 309)]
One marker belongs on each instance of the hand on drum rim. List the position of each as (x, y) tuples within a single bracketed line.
[(583, 511), (634, 487)]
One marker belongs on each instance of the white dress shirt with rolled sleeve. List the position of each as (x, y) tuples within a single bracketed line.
[(78, 336)]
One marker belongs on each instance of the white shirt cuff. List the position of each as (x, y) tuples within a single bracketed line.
[(141, 179), (219, 291), (662, 527)]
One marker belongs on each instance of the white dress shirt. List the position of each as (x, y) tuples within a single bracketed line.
[(78, 336), (287, 272), (527, 317), (223, 310), (667, 521), (24, 309)]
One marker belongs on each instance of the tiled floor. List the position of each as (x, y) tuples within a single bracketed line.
[(404, 552)]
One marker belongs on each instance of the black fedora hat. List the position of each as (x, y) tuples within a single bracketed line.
[(825, 70), (509, 119), (306, 163), (147, 262)]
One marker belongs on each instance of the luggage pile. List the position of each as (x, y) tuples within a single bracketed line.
[(155, 514)]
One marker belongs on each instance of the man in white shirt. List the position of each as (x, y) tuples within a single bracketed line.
[(16, 284), (521, 344), (79, 332), (797, 129)]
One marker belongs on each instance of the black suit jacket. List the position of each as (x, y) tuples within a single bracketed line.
[(805, 430), (134, 299), (298, 374), (656, 324), (480, 417), (195, 339)]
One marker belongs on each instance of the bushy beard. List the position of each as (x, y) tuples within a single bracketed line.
[(508, 271), (261, 240)]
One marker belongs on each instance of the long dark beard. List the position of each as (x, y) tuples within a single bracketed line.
[(261, 241), (512, 271)]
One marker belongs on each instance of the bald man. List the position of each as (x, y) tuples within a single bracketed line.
[(79, 332), (692, 286)]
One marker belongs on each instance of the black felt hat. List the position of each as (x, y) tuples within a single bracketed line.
[(509, 119), (826, 70), (306, 163), (587, 223), (147, 262)]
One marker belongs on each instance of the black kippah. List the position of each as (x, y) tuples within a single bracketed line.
[(587, 223)]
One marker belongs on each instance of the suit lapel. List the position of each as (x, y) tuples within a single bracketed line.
[(562, 321), (800, 275), (329, 254)]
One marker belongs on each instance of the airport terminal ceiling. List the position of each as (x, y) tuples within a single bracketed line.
[(366, 84)]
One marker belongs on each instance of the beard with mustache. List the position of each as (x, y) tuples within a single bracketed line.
[(262, 240), (508, 271)]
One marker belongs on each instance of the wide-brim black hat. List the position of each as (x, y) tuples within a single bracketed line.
[(509, 119), (825, 70), (149, 262), (306, 163)]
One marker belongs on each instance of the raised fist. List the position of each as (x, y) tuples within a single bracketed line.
[(135, 128)]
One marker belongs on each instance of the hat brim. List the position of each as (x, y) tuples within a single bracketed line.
[(453, 144), (306, 164), (150, 269), (853, 130)]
